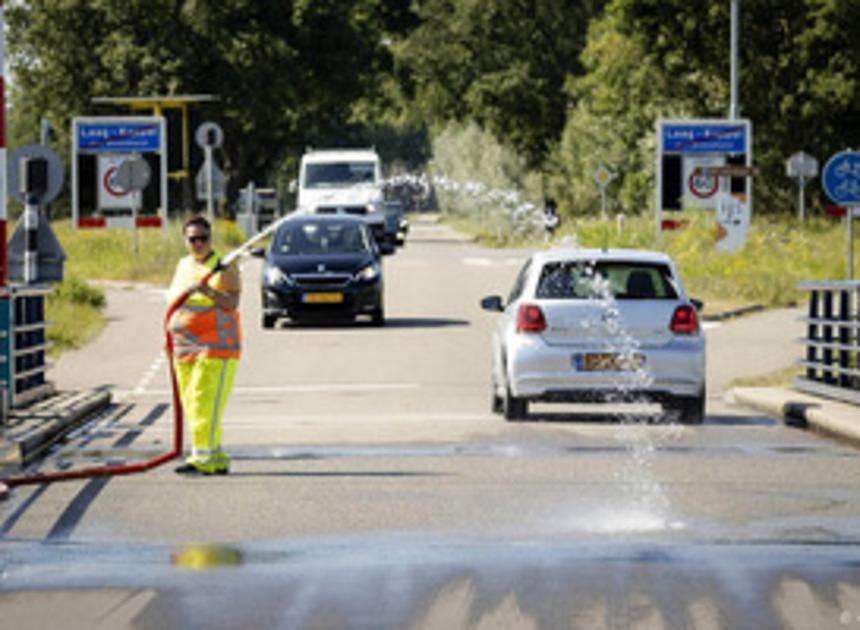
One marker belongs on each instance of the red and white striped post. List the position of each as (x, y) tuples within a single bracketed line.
[(4, 253)]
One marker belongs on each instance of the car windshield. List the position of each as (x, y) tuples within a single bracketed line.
[(593, 280), (321, 238), (339, 174)]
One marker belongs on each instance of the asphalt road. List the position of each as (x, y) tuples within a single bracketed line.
[(371, 487)]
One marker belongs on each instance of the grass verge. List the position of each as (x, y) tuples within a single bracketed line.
[(778, 253)]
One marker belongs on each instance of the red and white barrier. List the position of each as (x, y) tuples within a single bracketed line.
[(4, 252)]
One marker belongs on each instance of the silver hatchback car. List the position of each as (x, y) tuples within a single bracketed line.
[(598, 325)]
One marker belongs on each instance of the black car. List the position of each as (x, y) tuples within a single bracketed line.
[(322, 267)]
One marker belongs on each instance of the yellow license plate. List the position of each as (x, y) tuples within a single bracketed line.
[(606, 361), (323, 298)]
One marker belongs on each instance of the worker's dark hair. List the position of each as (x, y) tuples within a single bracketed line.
[(198, 221)]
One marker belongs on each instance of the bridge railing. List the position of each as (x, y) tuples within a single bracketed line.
[(832, 357)]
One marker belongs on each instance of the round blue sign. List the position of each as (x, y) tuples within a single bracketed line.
[(841, 178)]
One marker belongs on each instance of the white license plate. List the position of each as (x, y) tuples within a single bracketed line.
[(607, 362)]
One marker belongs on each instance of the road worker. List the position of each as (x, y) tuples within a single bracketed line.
[(206, 341)]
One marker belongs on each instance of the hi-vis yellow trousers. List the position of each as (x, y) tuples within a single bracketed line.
[(204, 385)]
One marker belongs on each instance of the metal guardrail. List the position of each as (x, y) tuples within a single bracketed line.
[(23, 345), (832, 341)]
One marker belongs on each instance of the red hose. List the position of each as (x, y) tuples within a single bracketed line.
[(139, 467)]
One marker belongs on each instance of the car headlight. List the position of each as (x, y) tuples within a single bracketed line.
[(274, 276), (368, 273)]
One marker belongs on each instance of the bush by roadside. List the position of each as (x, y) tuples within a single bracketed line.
[(74, 310)]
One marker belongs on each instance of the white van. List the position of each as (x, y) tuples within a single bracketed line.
[(343, 181)]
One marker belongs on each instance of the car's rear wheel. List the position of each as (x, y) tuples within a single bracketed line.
[(269, 320), (688, 409), (497, 405), (377, 317), (514, 408)]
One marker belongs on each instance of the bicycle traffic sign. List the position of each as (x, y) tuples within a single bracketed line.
[(841, 178)]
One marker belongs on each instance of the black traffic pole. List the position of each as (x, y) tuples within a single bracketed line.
[(34, 184)]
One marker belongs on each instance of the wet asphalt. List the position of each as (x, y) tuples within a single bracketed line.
[(371, 488)]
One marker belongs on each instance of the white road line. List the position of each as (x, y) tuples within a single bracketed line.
[(492, 262), (154, 368), (711, 325), (306, 388)]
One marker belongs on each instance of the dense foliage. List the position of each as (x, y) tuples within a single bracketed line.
[(561, 83)]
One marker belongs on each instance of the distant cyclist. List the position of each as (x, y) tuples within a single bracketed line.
[(551, 220)]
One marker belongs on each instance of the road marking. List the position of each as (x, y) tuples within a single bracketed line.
[(492, 262), (154, 368), (303, 388), (710, 325)]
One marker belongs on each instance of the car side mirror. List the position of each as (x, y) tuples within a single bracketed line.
[(257, 252), (698, 304), (492, 303)]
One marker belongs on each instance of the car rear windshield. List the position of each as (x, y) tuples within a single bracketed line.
[(322, 238), (583, 280)]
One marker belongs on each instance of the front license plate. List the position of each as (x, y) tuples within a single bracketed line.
[(607, 361), (322, 298)]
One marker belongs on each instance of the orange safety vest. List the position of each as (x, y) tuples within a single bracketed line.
[(199, 328)]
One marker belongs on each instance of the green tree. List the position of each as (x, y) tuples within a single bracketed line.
[(501, 64), (799, 80), (286, 72)]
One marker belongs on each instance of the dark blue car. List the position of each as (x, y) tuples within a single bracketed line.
[(322, 267)]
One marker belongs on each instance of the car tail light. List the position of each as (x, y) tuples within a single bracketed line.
[(530, 319), (685, 321)]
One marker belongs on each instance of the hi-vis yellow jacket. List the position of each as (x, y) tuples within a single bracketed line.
[(199, 328)]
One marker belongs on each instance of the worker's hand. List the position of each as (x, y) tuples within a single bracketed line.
[(203, 289)]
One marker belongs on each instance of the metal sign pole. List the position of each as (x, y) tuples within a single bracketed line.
[(801, 200), (31, 231), (603, 203), (134, 247), (850, 214), (210, 192)]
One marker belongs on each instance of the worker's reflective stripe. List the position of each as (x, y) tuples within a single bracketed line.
[(216, 408), (207, 331), (196, 308)]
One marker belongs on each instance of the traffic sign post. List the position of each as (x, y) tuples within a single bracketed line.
[(700, 160), (841, 181), (602, 176), (210, 136), (802, 167), (35, 176), (132, 176), (99, 146)]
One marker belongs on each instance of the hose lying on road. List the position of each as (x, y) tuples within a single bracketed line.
[(178, 416)]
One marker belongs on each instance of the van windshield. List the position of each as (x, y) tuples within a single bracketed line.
[(585, 280), (339, 174)]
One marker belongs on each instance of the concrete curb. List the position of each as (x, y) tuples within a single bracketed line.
[(837, 419), (738, 312), (31, 431)]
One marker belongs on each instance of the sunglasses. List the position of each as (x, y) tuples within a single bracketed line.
[(201, 238)]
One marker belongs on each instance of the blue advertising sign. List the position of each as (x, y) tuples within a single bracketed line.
[(704, 137), (841, 178), (126, 137)]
